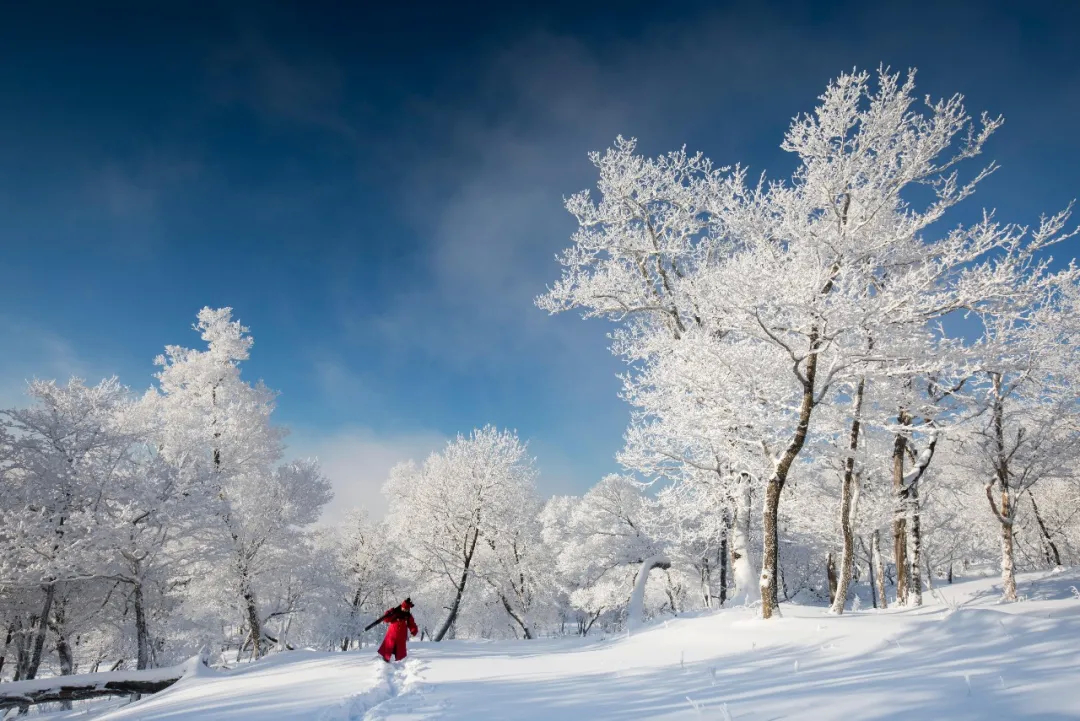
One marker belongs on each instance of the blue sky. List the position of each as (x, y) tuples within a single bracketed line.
[(377, 192)]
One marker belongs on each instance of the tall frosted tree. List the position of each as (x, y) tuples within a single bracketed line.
[(216, 433)]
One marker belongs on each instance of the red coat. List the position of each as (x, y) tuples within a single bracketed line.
[(400, 619)]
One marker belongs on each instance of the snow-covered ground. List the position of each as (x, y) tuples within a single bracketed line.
[(961, 656)]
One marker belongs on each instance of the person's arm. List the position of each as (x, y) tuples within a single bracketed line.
[(412, 625), (377, 621)]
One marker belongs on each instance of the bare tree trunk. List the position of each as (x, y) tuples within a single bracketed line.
[(771, 548), (900, 491), (1008, 571), (142, 632), (22, 649), (672, 593), (848, 507), (1007, 512), (741, 564), (830, 575), (285, 625), (879, 568), (706, 582), (915, 547), (7, 645), (771, 555), (1050, 548), (586, 627), (254, 623), (470, 548), (42, 630), (57, 625), (517, 619), (67, 663), (723, 560), (354, 609), (870, 573), (63, 652)]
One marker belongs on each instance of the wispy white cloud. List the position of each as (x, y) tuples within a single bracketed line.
[(31, 352), (344, 386), (133, 191), (513, 145), (125, 199), (358, 460)]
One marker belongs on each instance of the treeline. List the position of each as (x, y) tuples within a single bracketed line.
[(838, 332)]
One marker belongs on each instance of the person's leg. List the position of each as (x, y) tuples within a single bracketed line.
[(387, 648)]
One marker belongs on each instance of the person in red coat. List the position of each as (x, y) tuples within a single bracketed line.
[(399, 618)]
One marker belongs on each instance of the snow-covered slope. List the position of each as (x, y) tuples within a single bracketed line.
[(962, 656)]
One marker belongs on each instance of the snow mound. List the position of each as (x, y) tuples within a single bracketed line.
[(292, 686)]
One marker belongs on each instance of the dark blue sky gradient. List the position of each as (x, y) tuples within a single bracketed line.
[(377, 192)]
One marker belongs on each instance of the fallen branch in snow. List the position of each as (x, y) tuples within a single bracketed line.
[(950, 603), (96, 685)]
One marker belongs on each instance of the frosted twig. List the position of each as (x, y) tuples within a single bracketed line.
[(694, 705)]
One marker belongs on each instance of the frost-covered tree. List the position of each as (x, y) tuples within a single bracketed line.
[(699, 538), (1029, 393), (517, 565), (767, 293), (605, 539), (64, 454), (460, 504), (363, 581), (216, 434)]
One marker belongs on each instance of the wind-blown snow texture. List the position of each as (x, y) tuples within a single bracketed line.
[(962, 656)]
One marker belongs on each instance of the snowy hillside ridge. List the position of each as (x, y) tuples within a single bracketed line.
[(964, 655)]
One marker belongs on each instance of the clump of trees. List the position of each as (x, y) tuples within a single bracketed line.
[(779, 330), (137, 527), (836, 390)]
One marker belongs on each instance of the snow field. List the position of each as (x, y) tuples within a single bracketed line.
[(963, 657), (981, 661)]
